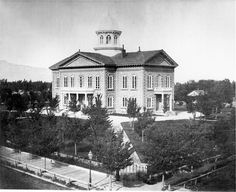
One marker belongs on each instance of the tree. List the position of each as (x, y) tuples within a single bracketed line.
[(77, 131), (170, 145), (73, 106), (132, 109), (116, 154), (98, 120), (145, 119)]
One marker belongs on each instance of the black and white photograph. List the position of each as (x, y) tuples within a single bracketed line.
[(117, 95)]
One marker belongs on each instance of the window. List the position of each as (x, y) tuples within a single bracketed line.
[(58, 82), (124, 102), (97, 82), (110, 102), (81, 81), (167, 81), (115, 39), (159, 81), (124, 82), (110, 82), (108, 39), (90, 82), (149, 82), (101, 39), (65, 99), (149, 102), (72, 81), (134, 82), (65, 81)]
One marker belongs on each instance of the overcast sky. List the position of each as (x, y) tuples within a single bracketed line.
[(198, 34)]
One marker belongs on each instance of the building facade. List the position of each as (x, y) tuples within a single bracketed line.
[(147, 76)]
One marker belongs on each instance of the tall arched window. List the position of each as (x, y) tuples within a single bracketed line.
[(108, 39), (115, 39), (101, 39)]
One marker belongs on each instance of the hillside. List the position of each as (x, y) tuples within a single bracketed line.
[(14, 72)]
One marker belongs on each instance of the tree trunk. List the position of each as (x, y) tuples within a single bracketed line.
[(117, 175), (75, 149)]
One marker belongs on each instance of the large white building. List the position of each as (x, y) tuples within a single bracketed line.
[(147, 76)]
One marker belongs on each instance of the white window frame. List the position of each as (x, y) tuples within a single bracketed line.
[(134, 82), (159, 81), (125, 82), (72, 81), (90, 81), (124, 102), (65, 82), (57, 82), (167, 81), (81, 81), (97, 82), (110, 82), (110, 102), (149, 82), (151, 103)]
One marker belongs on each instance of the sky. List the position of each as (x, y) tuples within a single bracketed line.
[(198, 34)]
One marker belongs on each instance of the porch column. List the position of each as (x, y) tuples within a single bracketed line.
[(162, 101), (170, 103)]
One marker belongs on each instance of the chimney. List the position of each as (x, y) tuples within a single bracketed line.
[(79, 50), (123, 51), (139, 49)]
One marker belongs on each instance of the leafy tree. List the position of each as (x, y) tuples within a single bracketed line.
[(98, 120), (144, 120), (73, 106), (169, 147), (132, 109), (116, 154), (78, 129)]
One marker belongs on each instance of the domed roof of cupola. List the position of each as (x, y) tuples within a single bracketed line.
[(108, 23)]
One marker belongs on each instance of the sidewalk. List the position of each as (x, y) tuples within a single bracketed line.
[(74, 172)]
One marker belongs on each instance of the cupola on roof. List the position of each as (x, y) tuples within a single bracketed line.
[(108, 23)]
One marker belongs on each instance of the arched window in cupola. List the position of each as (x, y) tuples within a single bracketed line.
[(115, 39), (108, 39), (101, 39)]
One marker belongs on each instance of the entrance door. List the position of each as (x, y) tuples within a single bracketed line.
[(158, 102)]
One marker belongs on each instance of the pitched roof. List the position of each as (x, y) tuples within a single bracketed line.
[(196, 93), (145, 58), (96, 57)]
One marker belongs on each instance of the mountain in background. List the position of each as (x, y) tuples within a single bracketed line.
[(14, 72)]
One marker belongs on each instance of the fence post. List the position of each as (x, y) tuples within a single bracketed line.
[(163, 180)]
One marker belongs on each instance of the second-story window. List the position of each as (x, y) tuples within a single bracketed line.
[(134, 82), (168, 81), (65, 81), (72, 81), (58, 82), (90, 82), (97, 82), (124, 82), (159, 81), (81, 81), (110, 82), (149, 82)]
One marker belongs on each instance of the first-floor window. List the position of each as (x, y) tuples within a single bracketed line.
[(110, 102), (149, 102), (124, 102), (65, 81), (58, 82), (65, 99), (90, 82), (97, 82)]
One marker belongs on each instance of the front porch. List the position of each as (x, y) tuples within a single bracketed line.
[(163, 102)]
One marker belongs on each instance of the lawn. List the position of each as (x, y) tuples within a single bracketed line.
[(136, 140)]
